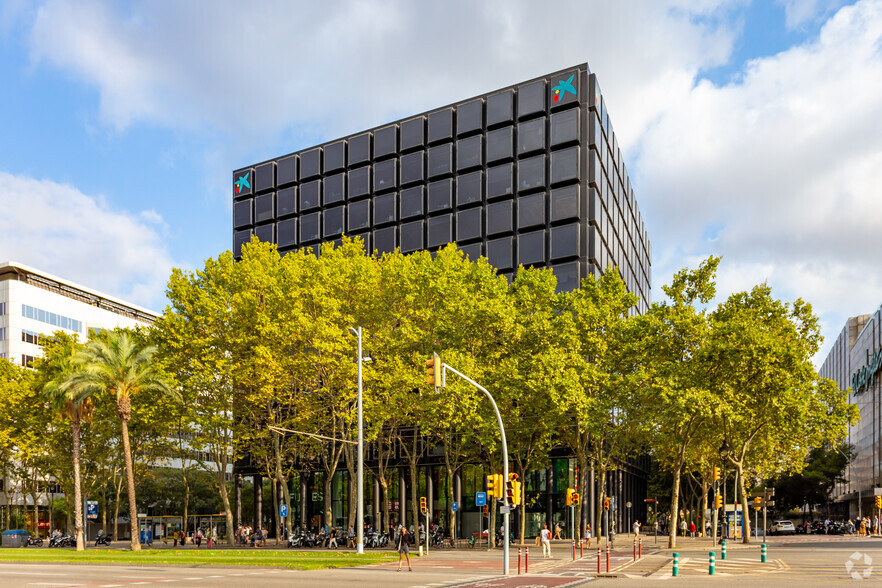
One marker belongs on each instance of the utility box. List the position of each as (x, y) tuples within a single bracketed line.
[(17, 538)]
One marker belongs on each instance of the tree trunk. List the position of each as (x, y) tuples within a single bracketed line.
[(130, 487), (116, 508), (276, 499), (225, 497), (745, 513), (675, 504), (705, 488), (411, 466), (384, 505), (326, 487), (78, 490), (186, 506), (451, 496), (283, 481)]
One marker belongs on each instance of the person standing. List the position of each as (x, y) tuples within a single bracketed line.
[(637, 528), (198, 538), (588, 533), (403, 547), (692, 529), (545, 539), (683, 527)]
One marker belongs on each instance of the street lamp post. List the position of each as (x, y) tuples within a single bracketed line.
[(359, 512), (724, 453)]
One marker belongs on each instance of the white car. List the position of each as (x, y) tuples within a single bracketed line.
[(782, 528)]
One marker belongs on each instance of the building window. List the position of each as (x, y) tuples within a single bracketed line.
[(412, 202), (286, 201), (287, 170), (310, 193), (335, 156), (311, 163), (441, 125), (412, 168), (287, 232), (531, 136), (334, 188), (412, 133), (263, 208), (359, 182), (27, 360), (469, 117), (50, 318), (384, 209), (468, 188), (242, 214), (359, 215), (385, 141), (499, 108), (499, 144), (2, 333), (2, 308)]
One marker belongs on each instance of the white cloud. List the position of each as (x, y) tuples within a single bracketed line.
[(58, 229), (787, 159), (799, 12)]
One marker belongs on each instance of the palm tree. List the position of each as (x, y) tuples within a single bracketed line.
[(56, 368), (119, 365)]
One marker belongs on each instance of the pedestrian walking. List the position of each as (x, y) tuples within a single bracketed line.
[(692, 529), (175, 538), (557, 530), (403, 547), (588, 534), (636, 526), (545, 539), (683, 527), (198, 538)]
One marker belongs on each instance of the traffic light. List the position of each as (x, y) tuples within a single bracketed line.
[(569, 497), (499, 485), (491, 484), (423, 507), (513, 489), (517, 491), (757, 502), (433, 371), (716, 473), (719, 501), (576, 498), (606, 502), (879, 502)]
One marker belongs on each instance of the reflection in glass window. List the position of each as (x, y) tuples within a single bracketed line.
[(384, 240), (499, 108), (263, 208), (359, 182), (531, 248), (359, 148), (384, 208), (440, 195), (440, 125), (287, 172), (265, 177), (565, 165), (335, 156), (468, 224), (565, 241), (412, 132), (565, 203), (359, 215), (531, 173), (440, 160), (499, 144), (473, 252), (469, 116), (565, 126), (239, 239), (311, 163), (265, 233), (385, 141), (499, 217), (567, 275), (411, 236), (385, 175), (287, 232), (440, 230), (412, 168), (286, 201), (242, 213), (333, 218), (310, 195), (531, 136), (531, 210), (309, 226), (499, 180), (468, 152), (531, 98), (412, 202), (499, 253), (468, 188), (334, 188)]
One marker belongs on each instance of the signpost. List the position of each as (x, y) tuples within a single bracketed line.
[(91, 509), (455, 506), (480, 499), (283, 510)]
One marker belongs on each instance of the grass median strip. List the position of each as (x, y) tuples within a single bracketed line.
[(295, 560)]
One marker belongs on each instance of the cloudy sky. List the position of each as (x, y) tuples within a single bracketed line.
[(751, 130)]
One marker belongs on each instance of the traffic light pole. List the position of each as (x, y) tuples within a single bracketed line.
[(506, 516)]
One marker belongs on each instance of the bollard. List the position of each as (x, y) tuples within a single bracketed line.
[(598, 559), (640, 548), (635, 549), (763, 553), (574, 550), (723, 550), (607, 557), (519, 561), (676, 570), (710, 563), (526, 560), (581, 550)]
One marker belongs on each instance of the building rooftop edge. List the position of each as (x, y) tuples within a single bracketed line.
[(20, 268)]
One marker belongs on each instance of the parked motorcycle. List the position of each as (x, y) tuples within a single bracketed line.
[(62, 541), (103, 539), (36, 541)]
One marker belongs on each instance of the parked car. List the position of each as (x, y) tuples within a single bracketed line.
[(782, 528)]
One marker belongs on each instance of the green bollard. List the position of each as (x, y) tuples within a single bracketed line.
[(676, 569), (710, 564), (723, 552), (763, 553)]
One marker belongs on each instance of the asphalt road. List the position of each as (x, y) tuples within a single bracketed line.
[(799, 561)]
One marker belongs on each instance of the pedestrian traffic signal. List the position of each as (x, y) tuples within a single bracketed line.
[(716, 473), (433, 371), (569, 497), (576, 498), (879, 502), (719, 501)]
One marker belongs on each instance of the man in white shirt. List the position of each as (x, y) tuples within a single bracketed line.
[(545, 539)]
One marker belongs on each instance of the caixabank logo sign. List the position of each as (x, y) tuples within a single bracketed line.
[(563, 87), (242, 185)]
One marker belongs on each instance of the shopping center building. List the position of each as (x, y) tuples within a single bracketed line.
[(529, 175), (854, 362)]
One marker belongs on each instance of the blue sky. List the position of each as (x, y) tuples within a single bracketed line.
[(750, 129)]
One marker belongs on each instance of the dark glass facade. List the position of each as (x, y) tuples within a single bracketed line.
[(531, 174)]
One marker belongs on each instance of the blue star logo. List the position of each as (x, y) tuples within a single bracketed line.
[(243, 183), (564, 87)]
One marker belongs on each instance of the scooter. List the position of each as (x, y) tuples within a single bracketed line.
[(103, 539), (36, 541)]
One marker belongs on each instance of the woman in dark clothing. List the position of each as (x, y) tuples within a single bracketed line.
[(404, 547)]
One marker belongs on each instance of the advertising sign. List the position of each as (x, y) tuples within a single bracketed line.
[(91, 509)]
